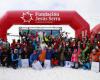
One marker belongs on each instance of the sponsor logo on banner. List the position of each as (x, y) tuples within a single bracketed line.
[(41, 17), (47, 17)]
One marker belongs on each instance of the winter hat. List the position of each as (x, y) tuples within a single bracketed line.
[(94, 50), (97, 47)]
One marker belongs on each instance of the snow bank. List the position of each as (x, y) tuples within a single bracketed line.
[(51, 74)]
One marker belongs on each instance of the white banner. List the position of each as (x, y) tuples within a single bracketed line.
[(25, 63), (95, 66), (37, 65), (47, 64), (68, 64)]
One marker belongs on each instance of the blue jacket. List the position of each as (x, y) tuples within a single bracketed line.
[(34, 57), (49, 53), (14, 57), (34, 45)]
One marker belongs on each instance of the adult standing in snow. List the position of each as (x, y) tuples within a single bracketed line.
[(54, 60), (4, 56), (61, 51)]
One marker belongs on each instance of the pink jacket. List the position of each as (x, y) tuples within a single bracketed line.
[(74, 57), (79, 51)]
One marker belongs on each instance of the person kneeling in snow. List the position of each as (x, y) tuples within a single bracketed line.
[(15, 58), (84, 59), (34, 62)]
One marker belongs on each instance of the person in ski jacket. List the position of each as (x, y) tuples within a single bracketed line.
[(34, 56), (15, 58)]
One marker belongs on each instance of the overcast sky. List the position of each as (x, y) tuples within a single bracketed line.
[(88, 9)]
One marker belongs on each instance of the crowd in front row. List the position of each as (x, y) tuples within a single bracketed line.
[(50, 51)]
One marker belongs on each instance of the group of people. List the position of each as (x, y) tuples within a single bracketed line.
[(49, 51)]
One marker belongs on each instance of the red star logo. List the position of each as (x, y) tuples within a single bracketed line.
[(27, 17)]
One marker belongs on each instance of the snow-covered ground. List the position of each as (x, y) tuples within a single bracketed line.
[(51, 74)]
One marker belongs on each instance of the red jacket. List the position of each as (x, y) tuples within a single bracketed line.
[(74, 57), (95, 57)]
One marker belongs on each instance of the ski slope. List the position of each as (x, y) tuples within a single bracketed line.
[(51, 74)]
